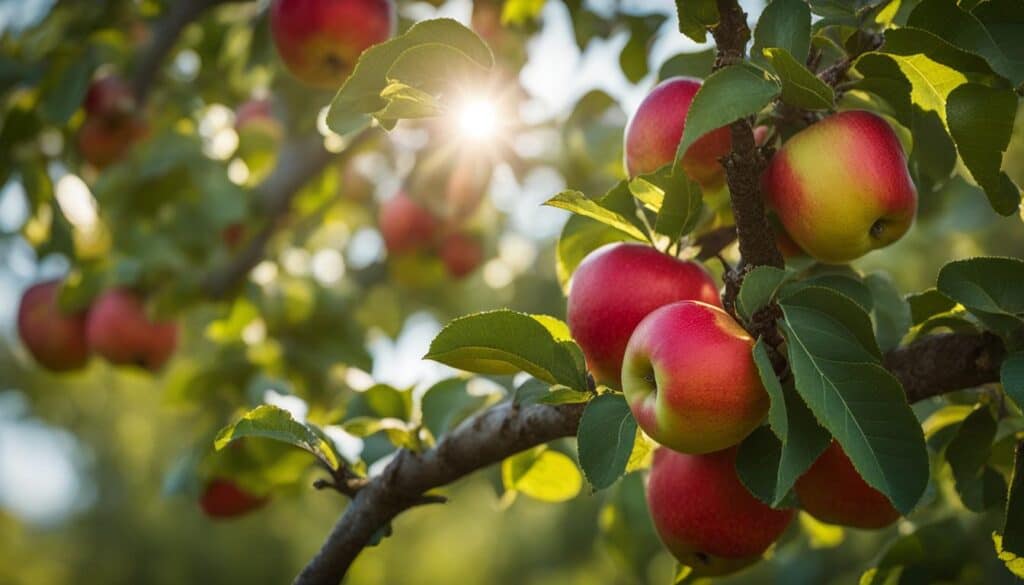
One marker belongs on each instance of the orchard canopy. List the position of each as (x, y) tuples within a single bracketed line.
[(522, 292)]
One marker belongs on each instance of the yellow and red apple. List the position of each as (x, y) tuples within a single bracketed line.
[(690, 379), (705, 517), (618, 285), (841, 187), (654, 132)]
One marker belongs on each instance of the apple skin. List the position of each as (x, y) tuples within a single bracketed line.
[(461, 254), (320, 40), (257, 116), (705, 517), (690, 379), (119, 330), (654, 132), (841, 187), (618, 285), (832, 491), (406, 225), (55, 339), (222, 498)]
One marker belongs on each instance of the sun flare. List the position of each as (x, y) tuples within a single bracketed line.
[(478, 119)]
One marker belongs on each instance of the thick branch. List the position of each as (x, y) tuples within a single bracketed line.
[(480, 441), (944, 363)]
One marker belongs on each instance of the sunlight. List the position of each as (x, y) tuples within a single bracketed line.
[(478, 119)]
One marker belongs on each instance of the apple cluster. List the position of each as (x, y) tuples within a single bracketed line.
[(115, 327), (652, 326)]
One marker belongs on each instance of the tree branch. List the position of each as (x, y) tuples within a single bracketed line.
[(932, 366), (298, 162), (165, 34)]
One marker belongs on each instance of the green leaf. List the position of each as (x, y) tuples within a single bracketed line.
[(520, 12), (758, 289), (504, 342), (1013, 526), (928, 304), (933, 553), (1014, 564), (405, 102), (846, 283), (769, 463), (890, 314), (542, 474), (446, 404), (435, 67), (981, 121), (688, 65), (992, 31), (360, 95), (924, 81), (565, 396), (1011, 374), (727, 95), (695, 17), (605, 439), (836, 366), (800, 87), (380, 401), (582, 235), (276, 423), (577, 203), (989, 288), (681, 204), (980, 487), (785, 24), (530, 392)]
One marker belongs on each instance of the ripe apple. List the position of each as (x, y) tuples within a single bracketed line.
[(223, 498), (618, 285), (320, 40), (832, 491), (841, 187), (55, 339), (112, 124), (461, 254), (704, 515), (690, 379), (406, 225), (654, 132), (119, 330)]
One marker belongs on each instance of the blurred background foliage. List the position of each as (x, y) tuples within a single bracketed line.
[(99, 470)]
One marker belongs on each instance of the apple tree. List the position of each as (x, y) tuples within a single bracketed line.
[(767, 318)]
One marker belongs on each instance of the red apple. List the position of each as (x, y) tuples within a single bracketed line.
[(461, 254), (832, 491), (112, 125), (119, 330), (841, 187), (704, 515), (320, 40), (618, 285), (690, 379), (222, 498), (55, 339), (654, 132), (406, 225)]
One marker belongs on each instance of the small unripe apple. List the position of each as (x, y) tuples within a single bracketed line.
[(618, 285), (705, 517), (690, 379), (55, 339), (321, 40), (832, 491), (222, 498), (654, 132), (406, 225), (256, 116), (841, 187), (461, 254), (119, 330)]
